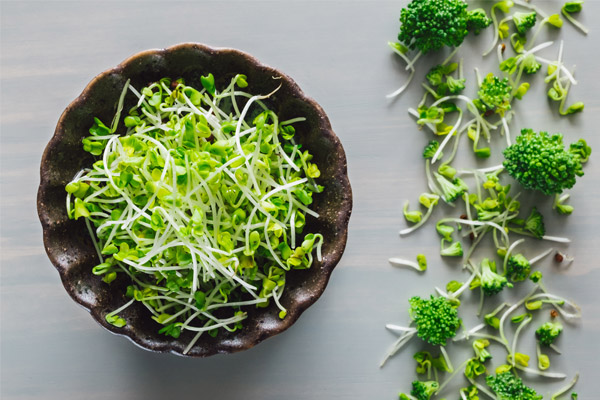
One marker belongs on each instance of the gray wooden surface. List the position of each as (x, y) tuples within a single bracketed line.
[(336, 51)]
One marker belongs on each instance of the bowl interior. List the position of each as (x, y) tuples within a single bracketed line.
[(72, 252)]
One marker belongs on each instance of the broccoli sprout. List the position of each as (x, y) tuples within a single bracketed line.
[(524, 21), (477, 20), (491, 282), (424, 390), (574, 7), (548, 332), (518, 268)]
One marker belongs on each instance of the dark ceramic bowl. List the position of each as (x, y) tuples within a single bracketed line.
[(72, 252)]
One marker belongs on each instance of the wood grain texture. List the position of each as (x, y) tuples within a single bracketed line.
[(336, 51)]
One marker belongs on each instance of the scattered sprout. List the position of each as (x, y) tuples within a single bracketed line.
[(574, 7), (518, 268), (491, 282), (524, 21), (424, 390)]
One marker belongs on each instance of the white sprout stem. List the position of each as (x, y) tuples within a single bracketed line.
[(118, 310), (399, 262), (481, 388), (509, 251), (576, 23), (555, 375), (567, 387), (553, 347), (397, 345), (418, 224), (540, 256), (510, 310), (556, 239), (399, 329), (482, 170), (448, 137), (523, 323), (506, 131), (496, 32), (403, 87), (531, 7), (446, 358), (412, 62)]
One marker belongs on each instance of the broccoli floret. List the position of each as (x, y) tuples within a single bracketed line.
[(491, 282), (428, 25), (424, 390), (530, 64), (452, 190), (454, 250), (430, 149), (494, 94), (535, 223), (518, 268), (452, 86), (469, 393), (535, 277), (541, 162), (581, 149), (524, 21), (548, 332), (481, 353), (436, 319), (436, 75), (509, 387), (477, 20)]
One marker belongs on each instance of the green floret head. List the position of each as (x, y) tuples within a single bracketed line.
[(530, 64), (540, 161), (430, 149), (424, 390), (452, 190), (535, 223), (509, 387), (548, 332), (470, 393), (494, 94), (436, 319), (491, 282), (477, 20), (428, 25), (518, 268), (524, 21)]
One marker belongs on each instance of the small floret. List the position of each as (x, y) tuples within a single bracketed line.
[(454, 250), (452, 190), (518, 268), (581, 149), (436, 319), (424, 390), (491, 282), (494, 94), (548, 332), (524, 21), (535, 224), (540, 161), (428, 25), (430, 149), (477, 20), (469, 393), (530, 64), (481, 353), (509, 387)]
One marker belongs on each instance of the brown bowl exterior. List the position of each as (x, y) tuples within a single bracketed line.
[(72, 252)]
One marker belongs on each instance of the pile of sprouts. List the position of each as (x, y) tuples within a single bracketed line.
[(199, 206)]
